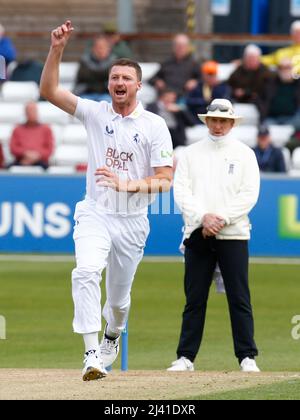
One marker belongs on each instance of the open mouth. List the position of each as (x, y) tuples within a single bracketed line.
[(120, 93)]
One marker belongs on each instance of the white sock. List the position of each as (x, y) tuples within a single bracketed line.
[(91, 341)]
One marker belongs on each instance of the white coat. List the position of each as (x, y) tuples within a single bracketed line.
[(220, 177)]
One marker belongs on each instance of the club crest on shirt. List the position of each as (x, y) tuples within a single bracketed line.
[(108, 131), (136, 138)]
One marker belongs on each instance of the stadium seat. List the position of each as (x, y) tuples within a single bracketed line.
[(70, 155), (74, 134), (296, 159), (249, 113), (10, 68), (6, 132), (149, 70), (196, 133), (61, 170), (295, 173), (281, 134), (287, 158), (147, 94), (26, 170), (57, 131), (8, 158), (246, 134), (225, 70), (67, 86), (68, 72), (12, 113), (20, 92), (50, 114)]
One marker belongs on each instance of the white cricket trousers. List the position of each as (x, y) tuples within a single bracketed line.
[(105, 241)]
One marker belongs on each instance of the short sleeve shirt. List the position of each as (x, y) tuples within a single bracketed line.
[(130, 146)]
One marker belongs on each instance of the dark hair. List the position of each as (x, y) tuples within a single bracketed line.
[(128, 63)]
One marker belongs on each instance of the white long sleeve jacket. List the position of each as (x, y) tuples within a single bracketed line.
[(220, 177)]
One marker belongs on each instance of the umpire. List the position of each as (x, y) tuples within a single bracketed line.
[(216, 186)]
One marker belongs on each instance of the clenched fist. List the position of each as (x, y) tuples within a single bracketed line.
[(60, 36)]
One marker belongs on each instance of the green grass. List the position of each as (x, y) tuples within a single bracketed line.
[(35, 299), (287, 390)]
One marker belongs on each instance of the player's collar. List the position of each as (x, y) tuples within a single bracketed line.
[(135, 114)]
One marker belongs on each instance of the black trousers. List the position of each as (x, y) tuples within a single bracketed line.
[(201, 257)]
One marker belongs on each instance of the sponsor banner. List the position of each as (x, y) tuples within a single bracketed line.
[(36, 212), (36, 215), (276, 219)]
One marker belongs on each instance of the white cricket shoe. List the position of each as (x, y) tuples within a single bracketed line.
[(249, 366), (109, 350), (93, 367), (182, 365)]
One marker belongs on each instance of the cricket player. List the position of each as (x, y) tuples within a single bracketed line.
[(130, 158)]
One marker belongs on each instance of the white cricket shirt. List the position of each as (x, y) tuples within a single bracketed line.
[(131, 147), (221, 178)]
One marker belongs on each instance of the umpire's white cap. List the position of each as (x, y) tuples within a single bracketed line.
[(221, 108)]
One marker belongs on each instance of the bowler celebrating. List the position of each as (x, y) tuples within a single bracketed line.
[(129, 159)]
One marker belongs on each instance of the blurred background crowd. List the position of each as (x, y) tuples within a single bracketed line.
[(178, 83)]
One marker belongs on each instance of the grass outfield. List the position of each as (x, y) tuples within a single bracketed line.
[(288, 391), (35, 299)]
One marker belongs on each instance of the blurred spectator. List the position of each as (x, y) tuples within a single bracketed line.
[(1, 157), (176, 116), (3, 71), (32, 143), (294, 142), (269, 158), (249, 80), (27, 70), (181, 71), (293, 51), (7, 48), (119, 47), (283, 97), (208, 88), (92, 75)]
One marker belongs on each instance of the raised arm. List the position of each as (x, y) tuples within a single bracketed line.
[(49, 86)]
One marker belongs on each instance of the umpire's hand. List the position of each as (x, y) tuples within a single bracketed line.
[(212, 224)]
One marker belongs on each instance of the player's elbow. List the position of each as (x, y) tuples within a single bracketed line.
[(45, 92)]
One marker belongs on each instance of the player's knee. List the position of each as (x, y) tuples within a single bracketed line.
[(85, 272), (120, 306)]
